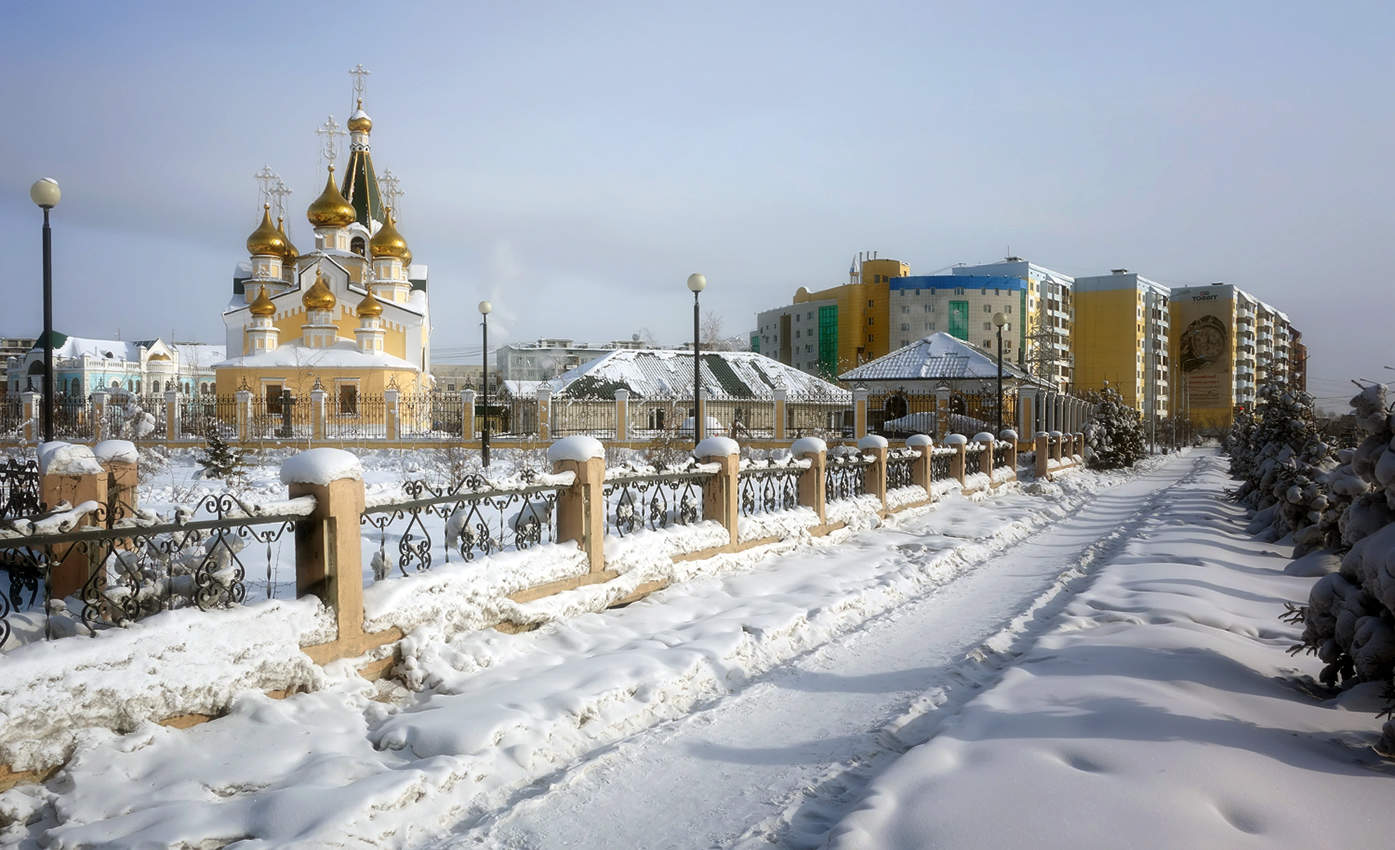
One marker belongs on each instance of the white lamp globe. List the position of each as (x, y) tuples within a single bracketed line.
[(697, 282), (45, 192), (999, 319), (485, 307)]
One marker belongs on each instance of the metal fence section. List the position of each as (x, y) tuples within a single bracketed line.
[(638, 500), (899, 464), (901, 414), (474, 517), (19, 489), (200, 417), (769, 486), (594, 417), (939, 462), (1001, 453), (72, 418), (845, 476), (136, 568), (11, 415), (362, 417)]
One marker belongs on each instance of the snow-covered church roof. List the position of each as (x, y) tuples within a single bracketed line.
[(668, 374), (938, 356), (344, 354)]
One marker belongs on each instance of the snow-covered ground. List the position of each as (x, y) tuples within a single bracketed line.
[(771, 700)]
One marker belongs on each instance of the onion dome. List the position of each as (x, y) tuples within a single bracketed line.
[(359, 122), (266, 239), (290, 254), (318, 296), (387, 242), (261, 305), (369, 307), (330, 209)]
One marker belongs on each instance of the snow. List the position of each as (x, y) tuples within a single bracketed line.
[(899, 497), (579, 448), (60, 458), (1008, 435), (983, 437), (320, 467), (807, 446), (343, 354), (717, 447), (118, 451), (872, 441), (919, 441), (956, 440)]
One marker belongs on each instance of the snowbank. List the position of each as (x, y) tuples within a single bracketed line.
[(59, 458), (117, 451)]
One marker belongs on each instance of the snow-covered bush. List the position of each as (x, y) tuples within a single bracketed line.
[(1114, 435), (1283, 463)]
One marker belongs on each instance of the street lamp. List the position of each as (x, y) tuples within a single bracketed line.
[(45, 193), (1000, 321), (485, 307), (697, 283)]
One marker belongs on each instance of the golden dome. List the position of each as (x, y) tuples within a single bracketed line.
[(318, 296), (266, 239), (369, 307), (330, 209), (387, 242), (359, 122), (290, 254), (261, 305)]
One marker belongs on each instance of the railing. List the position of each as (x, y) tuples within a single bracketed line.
[(973, 447), (476, 516), (437, 416), (769, 486), (653, 500), (1002, 452), (19, 489), (72, 418), (132, 419), (595, 417), (138, 566), (939, 462), (742, 419), (11, 414), (845, 476), (899, 466), (203, 416), (365, 417)]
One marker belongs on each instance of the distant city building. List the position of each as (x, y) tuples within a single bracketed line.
[(1121, 338), (144, 367), (1225, 344), (1050, 316), (550, 357), (453, 377), (962, 306)]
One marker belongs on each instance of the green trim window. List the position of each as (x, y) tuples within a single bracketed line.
[(828, 339), (959, 319)]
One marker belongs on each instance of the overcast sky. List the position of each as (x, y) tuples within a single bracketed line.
[(574, 162)]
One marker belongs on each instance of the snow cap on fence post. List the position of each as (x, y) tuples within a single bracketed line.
[(581, 507), (874, 476), (810, 488), (328, 550), (72, 474), (920, 467), (719, 493), (985, 457), (958, 442), (1043, 455)]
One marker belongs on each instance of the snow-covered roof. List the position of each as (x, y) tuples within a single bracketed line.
[(199, 355), (665, 373), (98, 349), (938, 356), (342, 355), (526, 389)]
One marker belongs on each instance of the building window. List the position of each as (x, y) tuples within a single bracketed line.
[(905, 326), (959, 291), (348, 399), (988, 326), (905, 308), (1007, 309), (871, 320), (869, 302)]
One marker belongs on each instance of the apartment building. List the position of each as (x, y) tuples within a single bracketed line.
[(1050, 316), (1121, 338), (549, 357)]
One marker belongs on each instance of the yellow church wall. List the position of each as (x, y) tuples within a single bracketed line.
[(394, 335), (371, 383)]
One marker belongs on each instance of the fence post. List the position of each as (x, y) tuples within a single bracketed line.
[(781, 402), (467, 415), (171, 416), (719, 494), (1043, 454), (860, 412), (544, 413), (1027, 410), (942, 429), (69, 473), (811, 493), (985, 457), (920, 467), (119, 459), (581, 507), (30, 400), (1009, 436), (99, 416), (244, 414), (1080, 445), (874, 476), (317, 412), (1055, 437), (956, 461), (391, 426), (622, 415), (328, 550)]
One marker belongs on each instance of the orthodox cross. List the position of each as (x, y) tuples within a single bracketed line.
[(391, 193), (266, 180), (280, 192), (358, 72), (330, 130)]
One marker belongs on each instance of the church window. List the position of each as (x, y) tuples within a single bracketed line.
[(348, 399), (358, 246)]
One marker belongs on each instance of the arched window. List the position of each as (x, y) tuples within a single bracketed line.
[(155, 386), (358, 246), (74, 389)]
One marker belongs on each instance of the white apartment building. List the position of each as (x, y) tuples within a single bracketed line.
[(1051, 316)]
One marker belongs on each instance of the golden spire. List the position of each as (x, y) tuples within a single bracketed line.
[(359, 122), (290, 254), (369, 307), (261, 305), (387, 242), (266, 239), (318, 296), (330, 209)]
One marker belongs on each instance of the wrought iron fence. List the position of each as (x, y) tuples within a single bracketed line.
[(899, 466), (128, 417), (11, 414), (636, 501), (900, 414), (434, 416), (595, 417), (19, 489), (476, 517), (200, 417), (134, 568), (72, 418), (514, 417), (356, 418), (1001, 454), (940, 463), (742, 419), (845, 476), (818, 414), (283, 418), (769, 486)]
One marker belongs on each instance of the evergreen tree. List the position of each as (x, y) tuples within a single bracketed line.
[(220, 460), (1114, 435)]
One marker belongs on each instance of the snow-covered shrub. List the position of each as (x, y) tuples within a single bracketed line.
[(221, 460), (1114, 435), (1283, 463)]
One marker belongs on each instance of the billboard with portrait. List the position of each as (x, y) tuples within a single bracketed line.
[(1205, 360)]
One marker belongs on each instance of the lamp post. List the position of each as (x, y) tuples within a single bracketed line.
[(697, 283), (999, 320), (485, 307), (45, 193)]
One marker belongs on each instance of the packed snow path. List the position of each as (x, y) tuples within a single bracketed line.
[(780, 760)]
